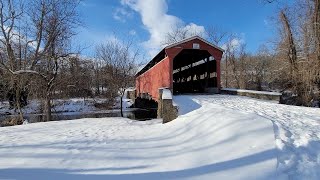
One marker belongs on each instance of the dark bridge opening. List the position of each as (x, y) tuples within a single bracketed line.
[(194, 71)]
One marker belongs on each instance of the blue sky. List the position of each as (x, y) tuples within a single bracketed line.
[(147, 21)]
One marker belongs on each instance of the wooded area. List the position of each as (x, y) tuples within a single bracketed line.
[(289, 64)]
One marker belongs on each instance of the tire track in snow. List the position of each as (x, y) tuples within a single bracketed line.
[(297, 132)]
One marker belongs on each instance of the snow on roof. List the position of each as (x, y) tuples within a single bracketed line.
[(192, 38), (175, 44)]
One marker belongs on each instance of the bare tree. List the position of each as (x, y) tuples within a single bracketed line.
[(316, 25), (9, 15), (179, 33), (231, 46), (291, 49), (120, 65), (217, 35), (36, 38)]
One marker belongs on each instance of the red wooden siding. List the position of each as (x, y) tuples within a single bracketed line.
[(158, 76)]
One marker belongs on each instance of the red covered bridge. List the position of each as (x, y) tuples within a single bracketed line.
[(189, 66)]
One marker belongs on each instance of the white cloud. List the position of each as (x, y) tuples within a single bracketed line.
[(233, 44), (193, 29), (18, 37), (121, 14), (156, 20)]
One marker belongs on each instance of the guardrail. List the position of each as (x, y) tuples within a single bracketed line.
[(254, 94)]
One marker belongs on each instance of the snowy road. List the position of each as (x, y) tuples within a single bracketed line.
[(215, 137), (297, 133)]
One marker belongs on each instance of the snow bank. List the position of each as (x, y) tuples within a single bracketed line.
[(58, 105), (208, 141), (73, 105), (32, 107)]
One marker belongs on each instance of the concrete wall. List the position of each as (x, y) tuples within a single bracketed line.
[(212, 90), (254, 94), (131, 94), (166, 110)]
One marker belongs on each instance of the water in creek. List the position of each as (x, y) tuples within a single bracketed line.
[(135, 114)]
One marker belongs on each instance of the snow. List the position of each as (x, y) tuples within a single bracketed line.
[(297, 133), (74, 105), (130, 89), (166, 94), (214, 137), (59, 105), (25, 71), (32, 107), (126, 103), (252, 91)]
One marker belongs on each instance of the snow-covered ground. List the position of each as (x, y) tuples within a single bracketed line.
[(58, 105), (215, 137), (32, 107), (297, 133), (63, 105)]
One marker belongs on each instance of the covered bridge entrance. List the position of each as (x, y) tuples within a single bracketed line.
[(189, 66)]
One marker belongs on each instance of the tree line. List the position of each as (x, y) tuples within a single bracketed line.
[(290, 63), (37, 60)]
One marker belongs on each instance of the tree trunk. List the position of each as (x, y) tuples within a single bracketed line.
[(317, 27), (226, 72), (48, 107), (292, 52), (121, 106), (317, 39), (18, 103)]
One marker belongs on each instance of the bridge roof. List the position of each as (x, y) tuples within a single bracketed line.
[(162, 54)]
